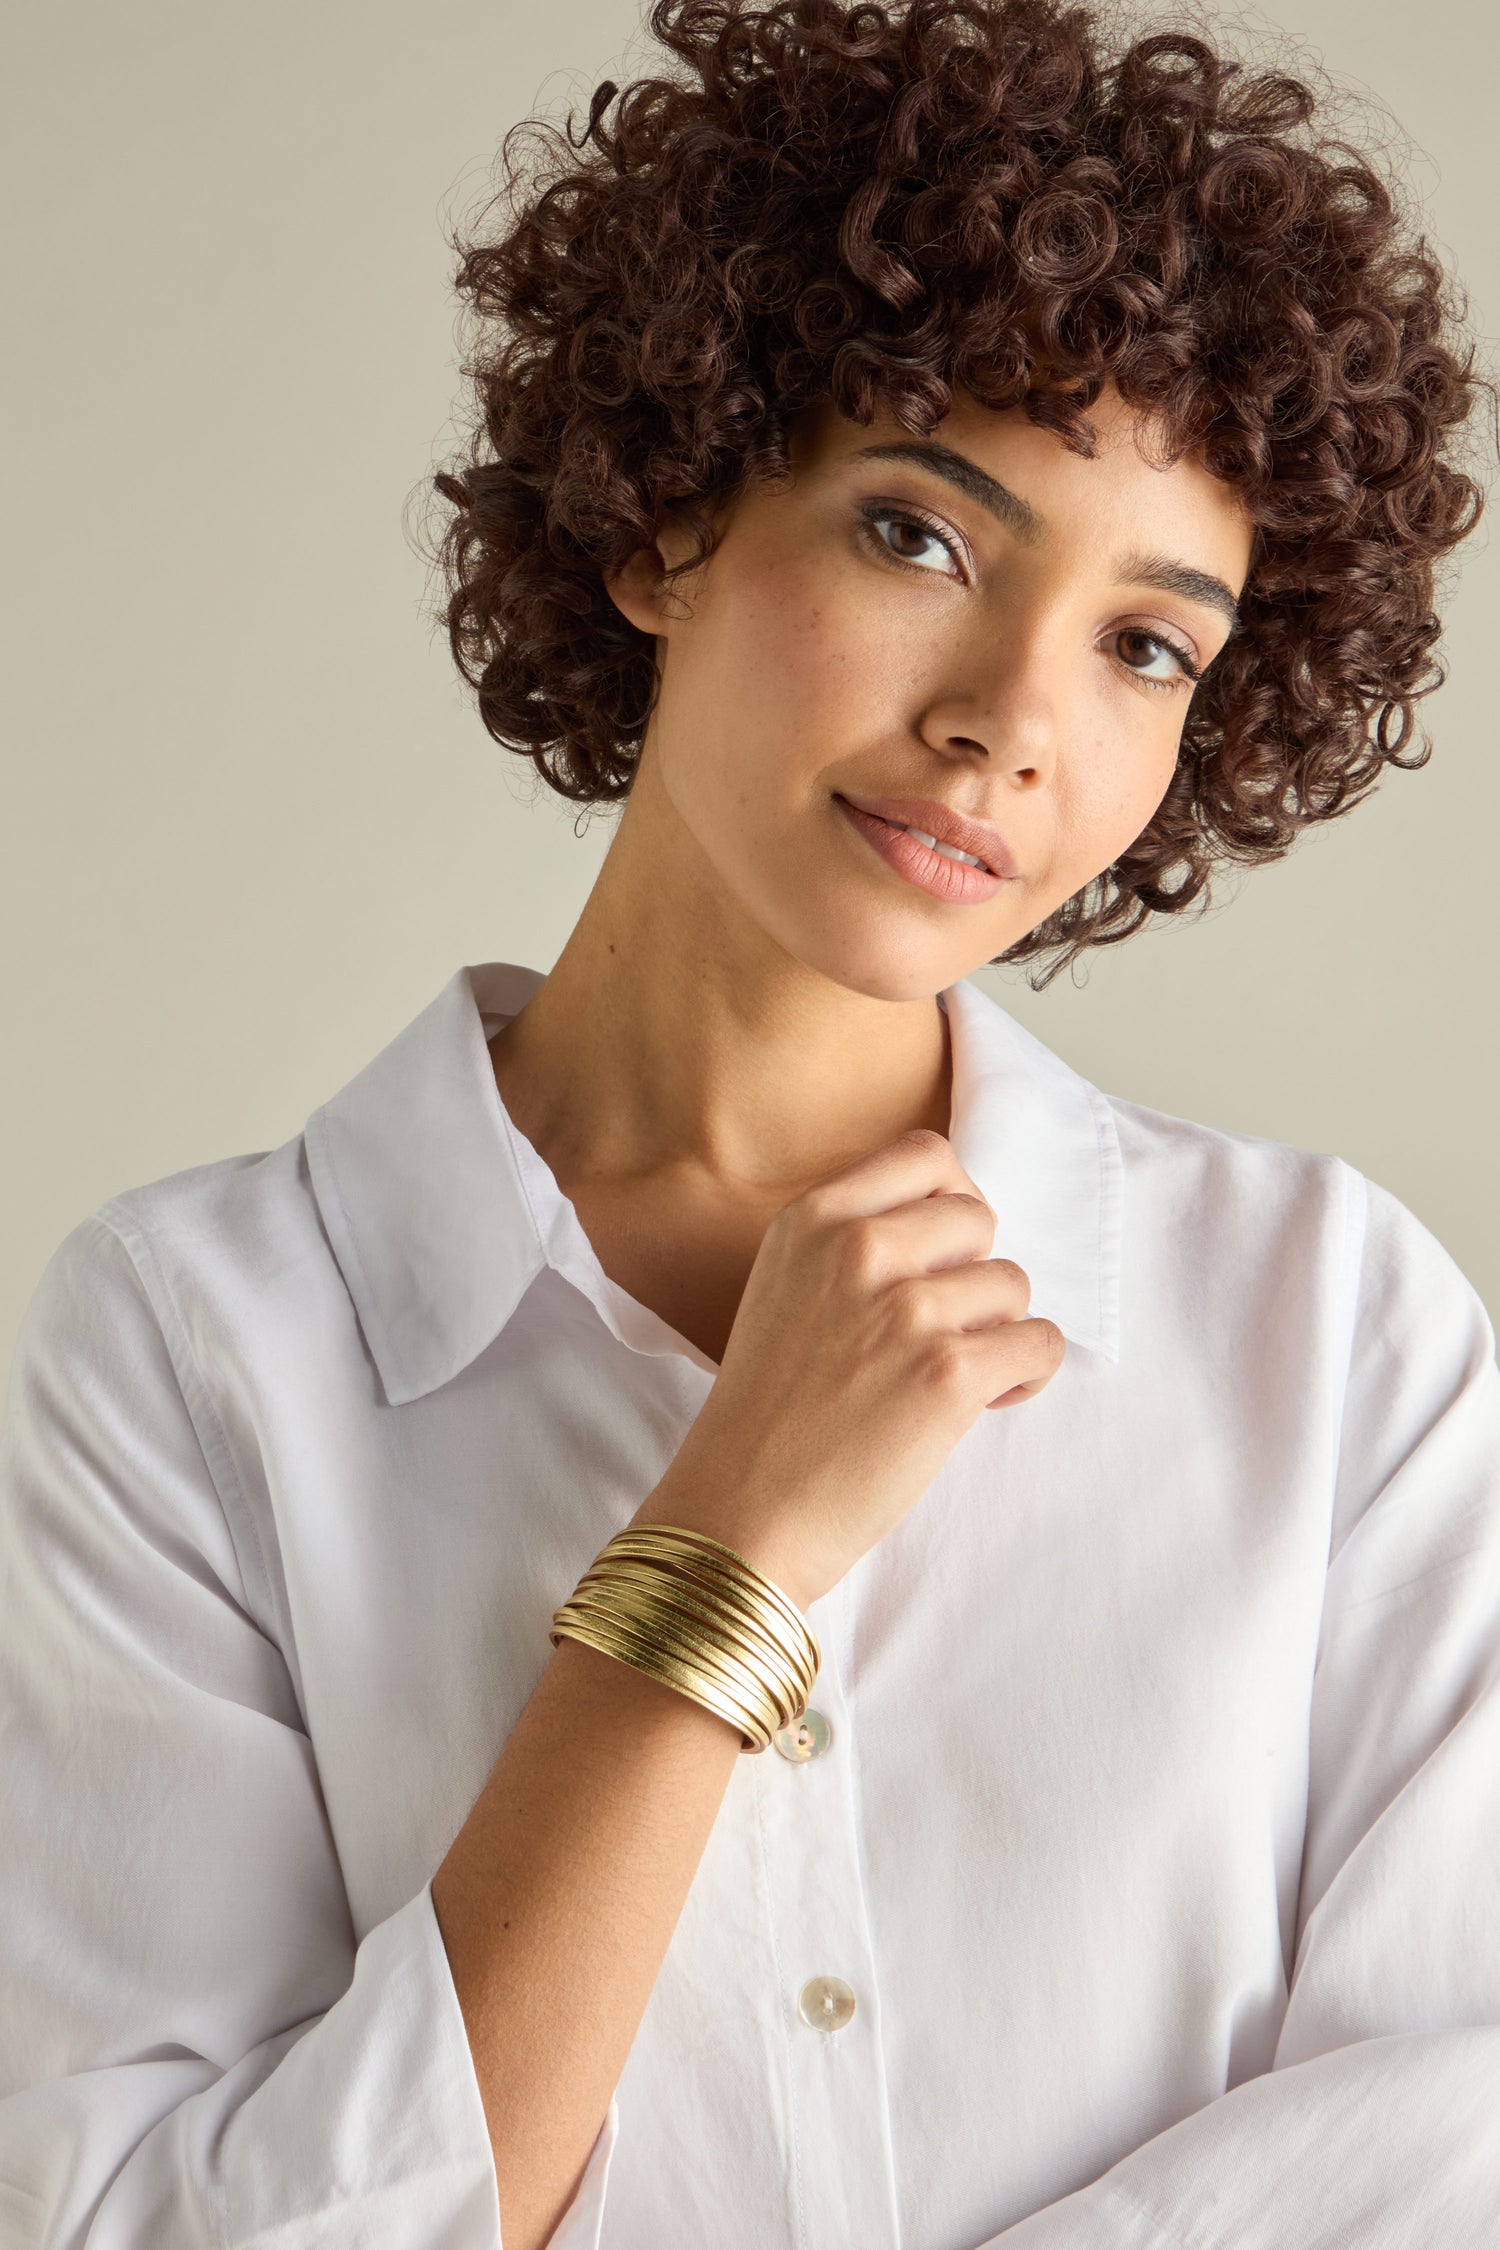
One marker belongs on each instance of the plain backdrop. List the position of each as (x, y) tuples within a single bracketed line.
[(251, 820)]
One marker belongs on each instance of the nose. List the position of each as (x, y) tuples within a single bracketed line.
[(1002, 713)]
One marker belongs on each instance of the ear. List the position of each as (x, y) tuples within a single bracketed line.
[(638, 588)]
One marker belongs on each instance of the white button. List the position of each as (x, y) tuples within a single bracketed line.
[(826, 2003), (806, 1737)]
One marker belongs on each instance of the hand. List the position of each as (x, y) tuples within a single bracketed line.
[(873, 1329)]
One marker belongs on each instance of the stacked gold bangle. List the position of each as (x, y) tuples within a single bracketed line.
[(701, 1619)]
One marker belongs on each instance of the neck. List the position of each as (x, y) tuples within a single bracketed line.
[(674, 1035)]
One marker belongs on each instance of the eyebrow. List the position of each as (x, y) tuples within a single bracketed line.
[(1020, 517), (995, 498), (1180, 578)]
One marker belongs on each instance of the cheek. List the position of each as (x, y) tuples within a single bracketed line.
[(1150, 776), (810, 645), (1111, 792), (780, 673)]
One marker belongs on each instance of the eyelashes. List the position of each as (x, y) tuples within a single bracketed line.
[(1169, 647), (875, 514)]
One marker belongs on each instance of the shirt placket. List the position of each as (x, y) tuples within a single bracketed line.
[(822, 1943)]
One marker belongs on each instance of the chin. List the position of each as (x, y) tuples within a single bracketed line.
[(890, 963)]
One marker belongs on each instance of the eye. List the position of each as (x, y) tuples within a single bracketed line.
[(1153, 659), (911, 539)]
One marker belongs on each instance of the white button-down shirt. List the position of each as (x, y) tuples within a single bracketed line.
[(1137, 1881)]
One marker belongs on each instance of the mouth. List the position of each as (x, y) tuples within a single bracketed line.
[(939, 851), (942, 828)]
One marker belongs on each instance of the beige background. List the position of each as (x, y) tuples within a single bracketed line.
[(250, 823)]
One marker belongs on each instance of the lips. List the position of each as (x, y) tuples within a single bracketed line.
[(980, 838), (953, 881)]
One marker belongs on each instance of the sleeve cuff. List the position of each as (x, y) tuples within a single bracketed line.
[(375, 2112)]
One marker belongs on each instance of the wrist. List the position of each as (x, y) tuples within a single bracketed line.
[(679, 1602), (762, 1544)]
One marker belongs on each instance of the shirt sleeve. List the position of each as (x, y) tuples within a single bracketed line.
[(193, 2050), (1378, 2123)]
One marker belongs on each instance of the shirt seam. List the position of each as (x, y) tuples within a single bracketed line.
[(514, 1146), (1109, 1234), (1356, 1227), (1353, 1230), (196, 1397), (783, 2016), (845, 1636), (317, 1141)]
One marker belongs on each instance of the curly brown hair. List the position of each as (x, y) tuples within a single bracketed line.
[(880, 205)]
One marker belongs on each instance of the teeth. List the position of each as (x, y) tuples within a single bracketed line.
[(944, 851)]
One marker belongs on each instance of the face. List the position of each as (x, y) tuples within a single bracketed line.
[(980, 633)]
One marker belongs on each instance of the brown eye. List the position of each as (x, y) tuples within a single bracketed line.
[(1152, 658), (909, 540), (912, 541)]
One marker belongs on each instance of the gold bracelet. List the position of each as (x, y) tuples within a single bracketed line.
[(757, 1722), (718, 1575), (666, 1640), (730, 1622), (720, 1569), (657, 1620), (697, 1616), (698, 1570), (646, 1537), (756, 1718)]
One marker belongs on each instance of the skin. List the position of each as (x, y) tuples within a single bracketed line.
[(1020, 672), (783, 1172)]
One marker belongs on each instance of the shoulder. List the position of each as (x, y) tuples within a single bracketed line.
[(1253, 1201), (1232, 1191), (1201, 1161), (204, 1250), (169, 1326)]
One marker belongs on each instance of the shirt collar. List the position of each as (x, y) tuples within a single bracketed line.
[(418, 1175)]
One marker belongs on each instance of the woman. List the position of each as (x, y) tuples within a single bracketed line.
[(955, 488)]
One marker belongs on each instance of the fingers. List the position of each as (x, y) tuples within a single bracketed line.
[(936, 1231), (920, 1163), (909, 1224), (1020, 1359)]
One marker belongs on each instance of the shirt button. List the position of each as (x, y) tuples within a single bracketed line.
[(807, 1737), (826, 2003)]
